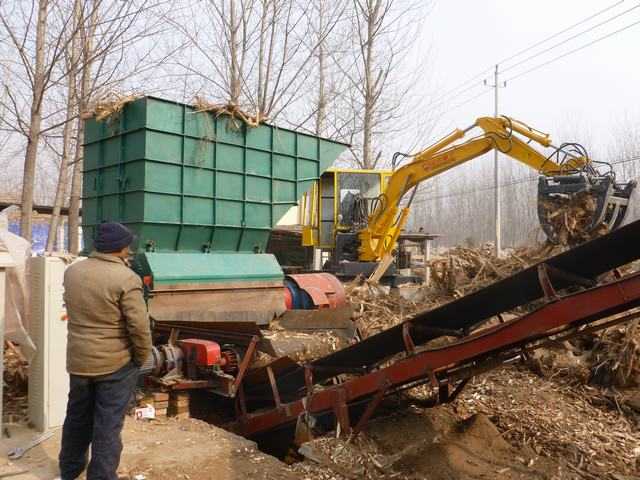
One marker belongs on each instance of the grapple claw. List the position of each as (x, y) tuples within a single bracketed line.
[(574, 208)]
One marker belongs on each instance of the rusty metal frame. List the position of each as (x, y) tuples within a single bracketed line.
[(489, 346), (244, 364)]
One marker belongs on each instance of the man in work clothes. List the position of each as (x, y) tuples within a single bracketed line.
[(109, 339)]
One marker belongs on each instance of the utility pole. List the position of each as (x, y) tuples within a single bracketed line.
[(496, 170)]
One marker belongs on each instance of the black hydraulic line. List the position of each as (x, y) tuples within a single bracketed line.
[(587, 261)]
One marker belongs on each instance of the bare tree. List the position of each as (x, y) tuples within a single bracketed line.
[(63, 181), (254, 54), (380, 34)]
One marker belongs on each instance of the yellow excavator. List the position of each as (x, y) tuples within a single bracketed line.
[(366, 215)]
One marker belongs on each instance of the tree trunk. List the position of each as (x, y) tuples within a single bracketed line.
[(31, 154), (369, 96), (234, 74), (322, 77), (63, 179), (83, 103)]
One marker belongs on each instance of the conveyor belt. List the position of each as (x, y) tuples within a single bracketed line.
[(450, 365), (571, 268)]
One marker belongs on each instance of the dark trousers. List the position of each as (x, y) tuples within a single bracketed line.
[(95, 416)]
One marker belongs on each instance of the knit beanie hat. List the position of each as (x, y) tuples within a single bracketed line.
[(112, 237)]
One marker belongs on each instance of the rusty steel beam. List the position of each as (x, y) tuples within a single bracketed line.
[(483, 346)]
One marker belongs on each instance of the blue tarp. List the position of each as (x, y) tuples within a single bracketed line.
[(40, 231)]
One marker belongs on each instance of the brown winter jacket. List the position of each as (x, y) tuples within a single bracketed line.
[(108, 321)]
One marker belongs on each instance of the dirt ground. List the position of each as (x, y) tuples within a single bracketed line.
[(160, 450)]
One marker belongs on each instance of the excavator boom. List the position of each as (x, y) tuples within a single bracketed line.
[(568, 178)]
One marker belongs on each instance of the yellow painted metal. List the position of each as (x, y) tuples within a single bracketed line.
[(312, 205), (388, 220)]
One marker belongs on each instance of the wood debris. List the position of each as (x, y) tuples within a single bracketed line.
[(15, 378), (110, 106), (571, 217), (231, 109), (555, 420)]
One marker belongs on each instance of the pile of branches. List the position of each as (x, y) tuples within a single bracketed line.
[(462, 270), (231, 109), (110, 106), (376, 308)]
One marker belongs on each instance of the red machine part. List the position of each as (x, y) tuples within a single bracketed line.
[(288, 299), (325, 290), (202, 353)]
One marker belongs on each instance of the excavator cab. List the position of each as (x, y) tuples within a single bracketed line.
[(581, 200)]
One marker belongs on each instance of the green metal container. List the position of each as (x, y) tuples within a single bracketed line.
[(192, 181)]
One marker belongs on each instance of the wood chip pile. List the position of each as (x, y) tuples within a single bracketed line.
[(558, 420), (344, 458)]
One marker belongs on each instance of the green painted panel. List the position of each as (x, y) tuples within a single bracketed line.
[(308, 147), (193, 238), (90, 207), (259, 138), (229, 185), (307, 170), (198, 152), (92, 156), (230, 130), (182, 179), (93, 130), (229, 213), (163, 177), (229, 158), (161, 208), (254, 240), (134, 146), (109, 207), (258, 162), (198, 211), (165, 116), (110, 180), (163, 147), (258, 215), (226, 239), (134, 115), (284, 141), (199, 182), (200, 125), (258, 189), (284, 167), (111, 151), (283, 191), (163, 237), (172, 268), (90, 184)]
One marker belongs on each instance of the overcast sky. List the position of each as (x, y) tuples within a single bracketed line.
[(588, 89)]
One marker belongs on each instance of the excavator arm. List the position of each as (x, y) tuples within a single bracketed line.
[(386, 222)]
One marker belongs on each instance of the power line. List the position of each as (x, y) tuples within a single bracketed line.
[(599, 39), (444, 96), (573, 37), (557, 34), (457, 93), (469, 100)]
